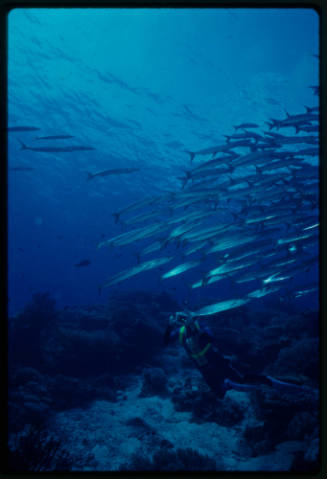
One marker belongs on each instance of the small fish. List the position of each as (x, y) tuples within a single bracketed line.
[(116, 171), (55, 137), (22, 128), (84, 262)]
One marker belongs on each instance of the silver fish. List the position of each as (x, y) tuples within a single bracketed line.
[(56, 149), (115, 171), (54, 137), (133, 235), (136, 205), (206, 281), (151, 248), (293, 239), (180, 269), (231, 242), (140, 218), (221, 306), (208, 151), (196, 248), (145, 266), (228, 268), (260, 293), (275, 278), (246, 125)]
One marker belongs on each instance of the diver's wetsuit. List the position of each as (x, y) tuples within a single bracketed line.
[(218, 372)]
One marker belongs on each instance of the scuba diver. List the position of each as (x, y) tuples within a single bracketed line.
[(216, 369)]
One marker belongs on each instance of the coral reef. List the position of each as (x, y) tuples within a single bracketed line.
[(300, 359), (35, 449), (205, 406), (154, 382), (30, 331), (283, 418), (65, 360), (166, 460)]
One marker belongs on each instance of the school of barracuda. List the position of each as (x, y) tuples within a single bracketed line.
[(248, 208)]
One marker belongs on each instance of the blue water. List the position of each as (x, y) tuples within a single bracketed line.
[(143, 88), (140, 86)]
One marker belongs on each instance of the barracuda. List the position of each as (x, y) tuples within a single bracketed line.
[(275, 278), (221, 306), (228, 268), (208, 151), (180, 269), (180, 230), (231, 243), (151, 248), (260, 293), (246, 125), (293, 140), (293, 239), (146, 266), (116, 171), (254, 210), (143, 217), (129, 237), (206, 281), (194, 215), (196, 247), (136, 205), (206, 233)]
